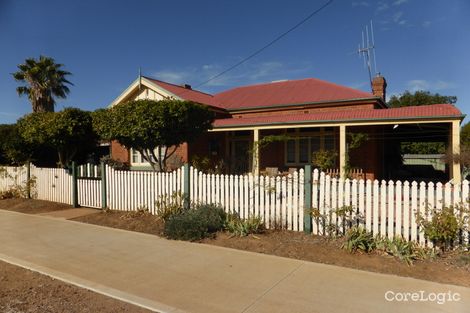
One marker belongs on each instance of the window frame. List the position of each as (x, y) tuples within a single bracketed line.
[(298, 135)]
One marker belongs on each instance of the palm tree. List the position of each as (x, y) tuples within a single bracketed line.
[(44, 80)]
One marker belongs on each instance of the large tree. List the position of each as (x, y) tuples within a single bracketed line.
[(419, 97), (153, 128), (44, 79), (70, 132)]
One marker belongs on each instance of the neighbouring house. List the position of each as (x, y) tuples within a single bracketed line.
[(313, 115)]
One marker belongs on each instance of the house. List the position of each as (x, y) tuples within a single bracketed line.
[(312, 115)]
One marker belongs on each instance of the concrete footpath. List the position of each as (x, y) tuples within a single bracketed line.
[(172, 276)]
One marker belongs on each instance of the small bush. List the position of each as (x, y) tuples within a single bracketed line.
[(195, 224), (357, 238), (10, 194), (407, 251), (243, 227), (444, 227), (165, 208)]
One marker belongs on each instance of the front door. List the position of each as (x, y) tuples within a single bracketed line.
[(240, 156)]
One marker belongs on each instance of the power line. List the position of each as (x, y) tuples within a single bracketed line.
[(267, 45)]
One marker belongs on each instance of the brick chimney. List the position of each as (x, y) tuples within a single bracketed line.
[(379, 85)]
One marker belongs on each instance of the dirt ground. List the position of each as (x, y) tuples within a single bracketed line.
[(22, 290), (31, 206), (451, 269)]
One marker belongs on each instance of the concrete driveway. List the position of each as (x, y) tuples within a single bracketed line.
[(172, 276)]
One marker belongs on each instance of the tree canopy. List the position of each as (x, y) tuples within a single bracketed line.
[(419, 97), (13, 149), (69, 132), (153, 128), (44, 79)]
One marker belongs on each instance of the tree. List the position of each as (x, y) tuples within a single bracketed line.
[(44, 80), (13, 149), (420, 97), (465, 135), (153, 128), (70, 132)]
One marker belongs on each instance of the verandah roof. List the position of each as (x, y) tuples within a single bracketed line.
[(434, 111)]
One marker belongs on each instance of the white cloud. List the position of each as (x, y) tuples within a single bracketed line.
[(360, 4), (426, 24), (399, 2), (382, 6), (421, 84)]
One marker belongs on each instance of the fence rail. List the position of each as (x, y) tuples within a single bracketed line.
[(387, 209)]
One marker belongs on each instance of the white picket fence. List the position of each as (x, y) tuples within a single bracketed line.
[(387, 209), (278, 201)]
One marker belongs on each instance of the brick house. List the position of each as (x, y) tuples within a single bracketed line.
[(313, 115)]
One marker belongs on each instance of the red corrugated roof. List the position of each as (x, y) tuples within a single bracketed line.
[(185, 93), (286, 92), (425, 111)]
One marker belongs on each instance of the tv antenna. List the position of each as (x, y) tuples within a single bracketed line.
[(366, 49)]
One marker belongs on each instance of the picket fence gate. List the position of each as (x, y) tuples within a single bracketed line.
[(387, 209)]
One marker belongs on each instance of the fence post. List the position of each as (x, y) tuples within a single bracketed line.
[(74, 185), (28, 180), (308, 199), (104, 203), (186, 186)]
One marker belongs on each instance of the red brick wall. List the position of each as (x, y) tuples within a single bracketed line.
[(119, 152)]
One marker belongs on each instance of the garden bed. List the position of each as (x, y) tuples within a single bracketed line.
[(32, 206)]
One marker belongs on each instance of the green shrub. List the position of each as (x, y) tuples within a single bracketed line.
[(357, 238), (165, 208), (243, 227), (444, 226), (213, 215), (407, 251), (195, 224)]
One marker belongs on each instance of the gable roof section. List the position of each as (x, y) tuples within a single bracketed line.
[(303, 91), (405, 113), (185, 93)]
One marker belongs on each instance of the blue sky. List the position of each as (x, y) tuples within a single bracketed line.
[(420, 44)]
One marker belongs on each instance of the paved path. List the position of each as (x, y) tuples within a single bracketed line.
[(70, 213), (171, 276)]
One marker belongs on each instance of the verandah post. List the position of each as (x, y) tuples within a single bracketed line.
[(308, 199), (186, 186), (74, 185), (104, 203)]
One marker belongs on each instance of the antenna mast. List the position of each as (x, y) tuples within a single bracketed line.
[(366, 49)]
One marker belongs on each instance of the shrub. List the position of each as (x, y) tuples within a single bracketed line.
[(195, 224), (357, 238), (243, 227), (444, 226), (407, 251), (213, 215), (165, 207)]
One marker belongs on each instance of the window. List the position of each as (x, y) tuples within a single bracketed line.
[(307, 141), (136, 157)]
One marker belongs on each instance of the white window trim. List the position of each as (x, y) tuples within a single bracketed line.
[(141, 161)]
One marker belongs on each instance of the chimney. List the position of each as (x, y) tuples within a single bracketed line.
[(186, 86), (379, 85)]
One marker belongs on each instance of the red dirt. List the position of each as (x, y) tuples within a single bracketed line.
[(32, 206), (22, 290)]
